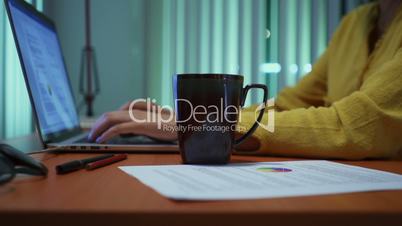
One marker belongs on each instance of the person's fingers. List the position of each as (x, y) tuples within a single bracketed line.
[(141, 104), (145, 106), (123, 128), (158, 132), (150, 129), (97, 128), (107, 120)]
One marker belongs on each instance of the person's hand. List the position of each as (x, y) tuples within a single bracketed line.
[(119, 122), (143, 106)]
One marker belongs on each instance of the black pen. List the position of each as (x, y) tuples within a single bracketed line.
[(78, 164)]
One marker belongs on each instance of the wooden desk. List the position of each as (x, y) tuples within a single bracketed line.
[(107, 196)]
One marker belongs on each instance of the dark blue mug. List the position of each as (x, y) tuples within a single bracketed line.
[(207, 108)]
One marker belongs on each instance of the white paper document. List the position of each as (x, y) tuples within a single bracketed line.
[(261, 180)]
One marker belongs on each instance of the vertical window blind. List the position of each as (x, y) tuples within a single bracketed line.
[(208, 36)]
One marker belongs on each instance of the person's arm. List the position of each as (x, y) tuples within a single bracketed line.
[(366, 124)]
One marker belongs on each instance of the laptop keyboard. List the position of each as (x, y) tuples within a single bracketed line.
[(126, 140), (84, 140)]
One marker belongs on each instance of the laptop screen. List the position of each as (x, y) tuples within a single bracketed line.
[(45, 71)]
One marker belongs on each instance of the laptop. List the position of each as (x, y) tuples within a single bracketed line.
[(49, 87)]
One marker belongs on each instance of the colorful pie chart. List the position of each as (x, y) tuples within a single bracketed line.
[(273, 169)]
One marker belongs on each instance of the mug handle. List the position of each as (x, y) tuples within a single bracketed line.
[(243, 100)]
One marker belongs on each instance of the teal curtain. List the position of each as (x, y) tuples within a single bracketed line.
[(15, 109), (202, 36), (268, 41)]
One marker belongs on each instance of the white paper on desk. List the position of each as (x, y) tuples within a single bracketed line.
[(255, 180)]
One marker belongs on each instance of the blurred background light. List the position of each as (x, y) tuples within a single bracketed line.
[(307, 68), (293, 68), (270, 68)]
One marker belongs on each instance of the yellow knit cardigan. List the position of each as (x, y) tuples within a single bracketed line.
[(350, 105)]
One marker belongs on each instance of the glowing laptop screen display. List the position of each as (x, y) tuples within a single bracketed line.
[(45, 71)]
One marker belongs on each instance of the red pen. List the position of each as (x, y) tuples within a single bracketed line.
[(105, 162)]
